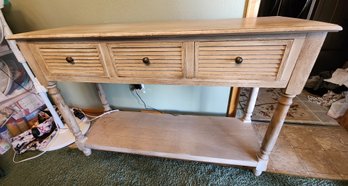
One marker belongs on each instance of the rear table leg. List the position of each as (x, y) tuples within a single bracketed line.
[(102, 97), (251, 105)]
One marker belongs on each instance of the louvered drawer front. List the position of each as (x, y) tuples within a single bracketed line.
[(72, 59), (249, 60), (148, 60)]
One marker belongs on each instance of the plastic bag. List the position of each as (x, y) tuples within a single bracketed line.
[(339, 107)]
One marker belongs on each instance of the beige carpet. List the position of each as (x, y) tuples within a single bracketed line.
[(301, 111)]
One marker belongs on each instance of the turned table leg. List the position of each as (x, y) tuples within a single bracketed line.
[(102, 97), (251, 105), (68, 117), (272, 132)]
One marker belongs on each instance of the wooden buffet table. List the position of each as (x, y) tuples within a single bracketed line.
[(273, 52)]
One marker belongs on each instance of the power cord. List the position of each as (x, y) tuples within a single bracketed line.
[(101, 115), (42, 153), (54, 138), (21, 161), (141, 99), (147, 107)]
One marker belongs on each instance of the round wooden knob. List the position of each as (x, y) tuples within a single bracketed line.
[(70, 60), (238, 60), (146, 60)]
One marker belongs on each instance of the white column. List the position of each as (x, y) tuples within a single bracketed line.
[(38, 87), (250, 105)]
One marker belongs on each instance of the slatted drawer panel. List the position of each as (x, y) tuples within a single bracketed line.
[(87, 60), (165, 59), (262, 59)]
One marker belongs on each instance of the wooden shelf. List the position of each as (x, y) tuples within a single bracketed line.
[(200, 138)]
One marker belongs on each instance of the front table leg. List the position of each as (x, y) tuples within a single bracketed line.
[(272, 132), (68, 117)]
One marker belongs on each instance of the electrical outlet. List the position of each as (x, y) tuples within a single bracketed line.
[(137, 87)]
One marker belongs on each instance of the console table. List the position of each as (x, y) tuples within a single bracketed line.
[(273, 52)]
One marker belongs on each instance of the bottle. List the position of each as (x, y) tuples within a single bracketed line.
[(12, 127), (22, 125)]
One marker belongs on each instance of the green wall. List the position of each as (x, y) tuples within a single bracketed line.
[(28, 15)]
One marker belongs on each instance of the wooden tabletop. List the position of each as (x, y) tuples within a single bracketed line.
[(187, 27)]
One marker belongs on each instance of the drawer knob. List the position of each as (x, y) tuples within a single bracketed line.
[(70, 60), (146, 61), (238, 60)]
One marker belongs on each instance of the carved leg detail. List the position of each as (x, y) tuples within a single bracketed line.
[(103, 98), (251, 105), (68, 117), (272, 132)]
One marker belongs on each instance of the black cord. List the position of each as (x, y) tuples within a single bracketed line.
[(16, 81), (141, 99), (147, 107)]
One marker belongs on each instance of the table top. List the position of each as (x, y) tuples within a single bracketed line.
[(261, 25)]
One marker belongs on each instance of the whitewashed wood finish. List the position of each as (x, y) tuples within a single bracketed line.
[(279, 51), (200, 138), (34, 65), (87, 59), (272, 132), (170, 81), (68, 117), (189, 56), (305, 62), (284, 73), (252, 26), (166, 59), (102, 97), (166, 69), (292, 52), (261, 59), (251, 9)]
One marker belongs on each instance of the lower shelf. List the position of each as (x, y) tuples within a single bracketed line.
[(199, 138)]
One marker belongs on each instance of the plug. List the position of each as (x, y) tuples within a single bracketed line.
[(137, 87)]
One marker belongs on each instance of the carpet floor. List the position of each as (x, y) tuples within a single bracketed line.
[(71, 167)]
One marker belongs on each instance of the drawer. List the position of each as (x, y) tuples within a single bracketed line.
[(70, 59), (243, 59), (148, 59)]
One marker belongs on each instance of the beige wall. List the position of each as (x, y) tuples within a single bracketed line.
[(28, 15)]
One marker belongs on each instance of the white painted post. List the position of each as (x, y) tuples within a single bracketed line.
[(250, 105), (41, 90)]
